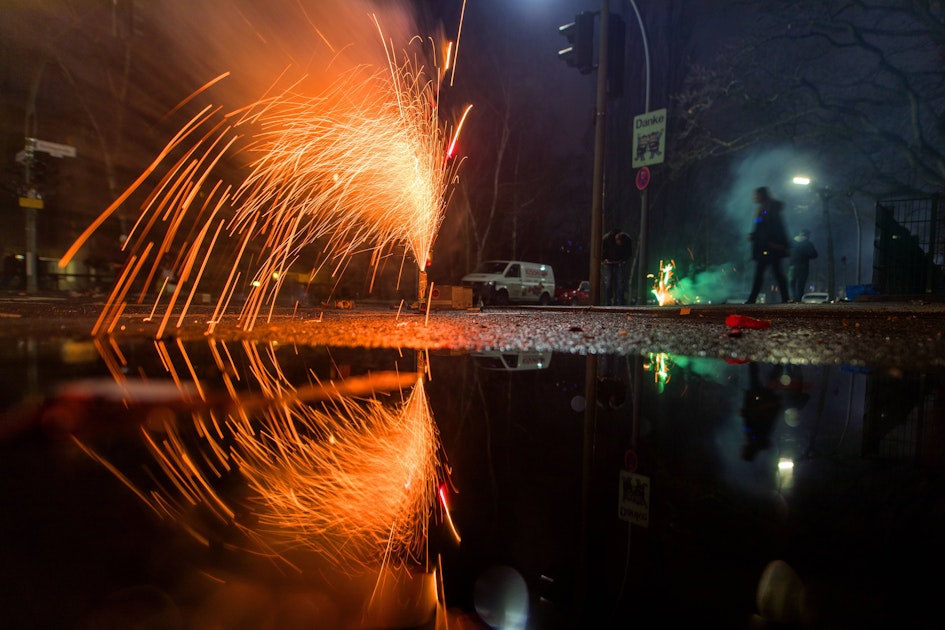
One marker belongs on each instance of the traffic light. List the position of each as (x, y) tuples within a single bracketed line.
[(580, 36)]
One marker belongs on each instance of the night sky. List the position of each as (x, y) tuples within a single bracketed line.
[(538, 194)]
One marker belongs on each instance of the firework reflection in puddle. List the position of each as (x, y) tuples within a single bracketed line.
[(334, 481), (326, 469)]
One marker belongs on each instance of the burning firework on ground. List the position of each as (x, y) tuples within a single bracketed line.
[(364, 165), (664, 283)]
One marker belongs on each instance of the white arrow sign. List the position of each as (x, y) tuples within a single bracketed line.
[(52, 148)]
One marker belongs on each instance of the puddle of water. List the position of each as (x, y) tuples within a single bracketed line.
[(244, 483)]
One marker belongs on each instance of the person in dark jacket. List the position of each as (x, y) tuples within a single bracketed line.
[(769, 243), (616, 249), (802, 252)]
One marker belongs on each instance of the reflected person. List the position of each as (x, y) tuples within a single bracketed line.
[(611, 388), (759, 411)]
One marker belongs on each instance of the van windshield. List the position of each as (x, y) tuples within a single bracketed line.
[(491, 266)]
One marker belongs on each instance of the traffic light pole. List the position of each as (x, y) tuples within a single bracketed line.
[(600, 120), (591, 376)]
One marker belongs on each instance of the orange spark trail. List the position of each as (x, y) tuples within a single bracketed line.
[(364, 165), (348, 480)]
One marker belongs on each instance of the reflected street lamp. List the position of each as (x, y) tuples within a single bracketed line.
[(825, 193)]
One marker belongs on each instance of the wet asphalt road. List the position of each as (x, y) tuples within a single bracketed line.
[(892, 335)]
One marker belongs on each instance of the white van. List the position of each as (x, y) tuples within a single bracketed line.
[(511, 281), (512, 361)]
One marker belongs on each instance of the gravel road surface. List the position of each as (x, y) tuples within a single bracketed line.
[(890, 335)]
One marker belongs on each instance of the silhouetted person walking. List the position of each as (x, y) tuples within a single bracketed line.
[(802, 252), (769, 243)]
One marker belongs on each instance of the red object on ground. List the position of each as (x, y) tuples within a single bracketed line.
[(743, 321)]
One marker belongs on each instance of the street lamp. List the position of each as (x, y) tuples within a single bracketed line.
[(825, 193)]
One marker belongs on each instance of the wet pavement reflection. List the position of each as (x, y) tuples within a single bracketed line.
[(244, 484)]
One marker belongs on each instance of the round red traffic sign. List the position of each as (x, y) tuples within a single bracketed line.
[(643, 178)]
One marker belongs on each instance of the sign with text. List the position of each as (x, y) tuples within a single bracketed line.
[(633, 505), (52, 148), (649, 138), (31, 202)]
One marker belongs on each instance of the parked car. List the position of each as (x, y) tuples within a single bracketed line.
[(576, 296), (504, 282), (815, 298)]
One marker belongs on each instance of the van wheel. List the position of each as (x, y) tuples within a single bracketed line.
[(545, 299), (501, 298)]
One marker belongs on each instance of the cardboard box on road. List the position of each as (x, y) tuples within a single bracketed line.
[(450, 297)]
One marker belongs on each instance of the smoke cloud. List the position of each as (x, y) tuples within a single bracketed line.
[(850, 217)]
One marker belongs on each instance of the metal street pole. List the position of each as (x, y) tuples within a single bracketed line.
[(600, 119), (30, 261), (590, 410), (29, 128), (587, 468), (646, 56), (825, 195), (859, 237), (644, 197)]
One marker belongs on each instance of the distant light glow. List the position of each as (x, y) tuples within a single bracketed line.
[(501, 598), (801, 180), (785, 474)]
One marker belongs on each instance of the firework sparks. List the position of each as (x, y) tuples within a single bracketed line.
[(357, 489), (664, 283), (351, 481), (365, 165), (661, 364)]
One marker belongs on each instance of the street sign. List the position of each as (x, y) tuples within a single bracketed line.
[(29, 202), (649, 138), (52, 148), (643, 178), (633, 504)]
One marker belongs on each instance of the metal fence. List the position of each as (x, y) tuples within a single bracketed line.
[(909, 246)]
